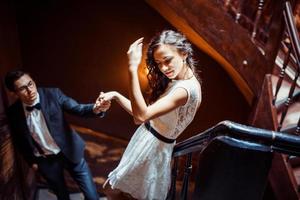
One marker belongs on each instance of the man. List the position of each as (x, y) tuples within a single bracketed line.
[(43, 136)]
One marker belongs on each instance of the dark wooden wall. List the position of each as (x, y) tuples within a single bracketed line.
[(80, 46), (12, 182)]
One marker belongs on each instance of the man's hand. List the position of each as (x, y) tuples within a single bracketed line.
[(34, 166)]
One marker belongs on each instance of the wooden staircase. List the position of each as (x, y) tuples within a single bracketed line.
[(246, 38), (211, 29)]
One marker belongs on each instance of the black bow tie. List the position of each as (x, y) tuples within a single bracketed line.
[(36, 106)]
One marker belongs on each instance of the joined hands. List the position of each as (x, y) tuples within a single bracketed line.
[(101, 104)]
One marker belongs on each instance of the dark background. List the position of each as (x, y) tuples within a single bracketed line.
[(80, 47)]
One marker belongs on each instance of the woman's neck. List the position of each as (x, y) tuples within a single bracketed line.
[(188, 74)]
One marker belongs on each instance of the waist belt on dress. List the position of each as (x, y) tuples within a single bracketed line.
[(157, 135)]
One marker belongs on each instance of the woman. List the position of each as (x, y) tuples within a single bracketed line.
[(144, 170)]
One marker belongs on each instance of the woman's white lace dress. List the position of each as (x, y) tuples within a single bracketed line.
[(144, 170)]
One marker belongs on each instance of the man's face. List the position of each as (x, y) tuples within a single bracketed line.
[(25, 89)]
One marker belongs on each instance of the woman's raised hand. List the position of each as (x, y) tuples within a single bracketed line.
[(134, 54)]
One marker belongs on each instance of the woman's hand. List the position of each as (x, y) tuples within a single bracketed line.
[(119, 98), (107, 96), (134, 54)]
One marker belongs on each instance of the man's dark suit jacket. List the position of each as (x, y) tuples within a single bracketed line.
[(53, 104)]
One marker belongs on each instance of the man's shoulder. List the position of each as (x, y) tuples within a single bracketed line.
[(48, 91), (15, 107)]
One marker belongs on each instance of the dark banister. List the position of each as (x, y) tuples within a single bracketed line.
[(291, 28), (294, 37), (277, 141), (281, 103), (271, 141), (187, 172), (172, 191), (257, 17), (227, 4), (239, 11), (288, 101), (282, 73), (297, 132)]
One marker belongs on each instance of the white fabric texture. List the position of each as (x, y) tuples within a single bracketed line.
[(145, 168)]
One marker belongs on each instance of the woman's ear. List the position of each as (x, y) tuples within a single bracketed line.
[(184, 55)]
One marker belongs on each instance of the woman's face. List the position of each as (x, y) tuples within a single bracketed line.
[(170, 61)]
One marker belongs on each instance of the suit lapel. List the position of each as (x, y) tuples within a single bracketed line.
[(21, 122), (20, 116), (44, 107), (44, 101)]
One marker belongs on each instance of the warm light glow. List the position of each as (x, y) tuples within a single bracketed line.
[(143, 71)]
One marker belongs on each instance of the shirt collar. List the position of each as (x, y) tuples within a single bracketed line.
[(35, 102)]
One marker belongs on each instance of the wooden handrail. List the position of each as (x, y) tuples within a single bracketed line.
[(276, 141)]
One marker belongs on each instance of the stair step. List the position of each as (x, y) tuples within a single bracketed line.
[(46, 194), (289, 129), (294, 162), (297, 176)]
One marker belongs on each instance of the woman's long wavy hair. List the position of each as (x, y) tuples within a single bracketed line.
[(158, 82)]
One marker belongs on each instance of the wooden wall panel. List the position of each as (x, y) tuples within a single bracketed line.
[(15, 179)]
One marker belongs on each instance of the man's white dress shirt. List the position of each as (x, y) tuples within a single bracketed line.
[(39, 131)]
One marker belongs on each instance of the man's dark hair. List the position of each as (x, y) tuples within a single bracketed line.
[(11, 77)]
